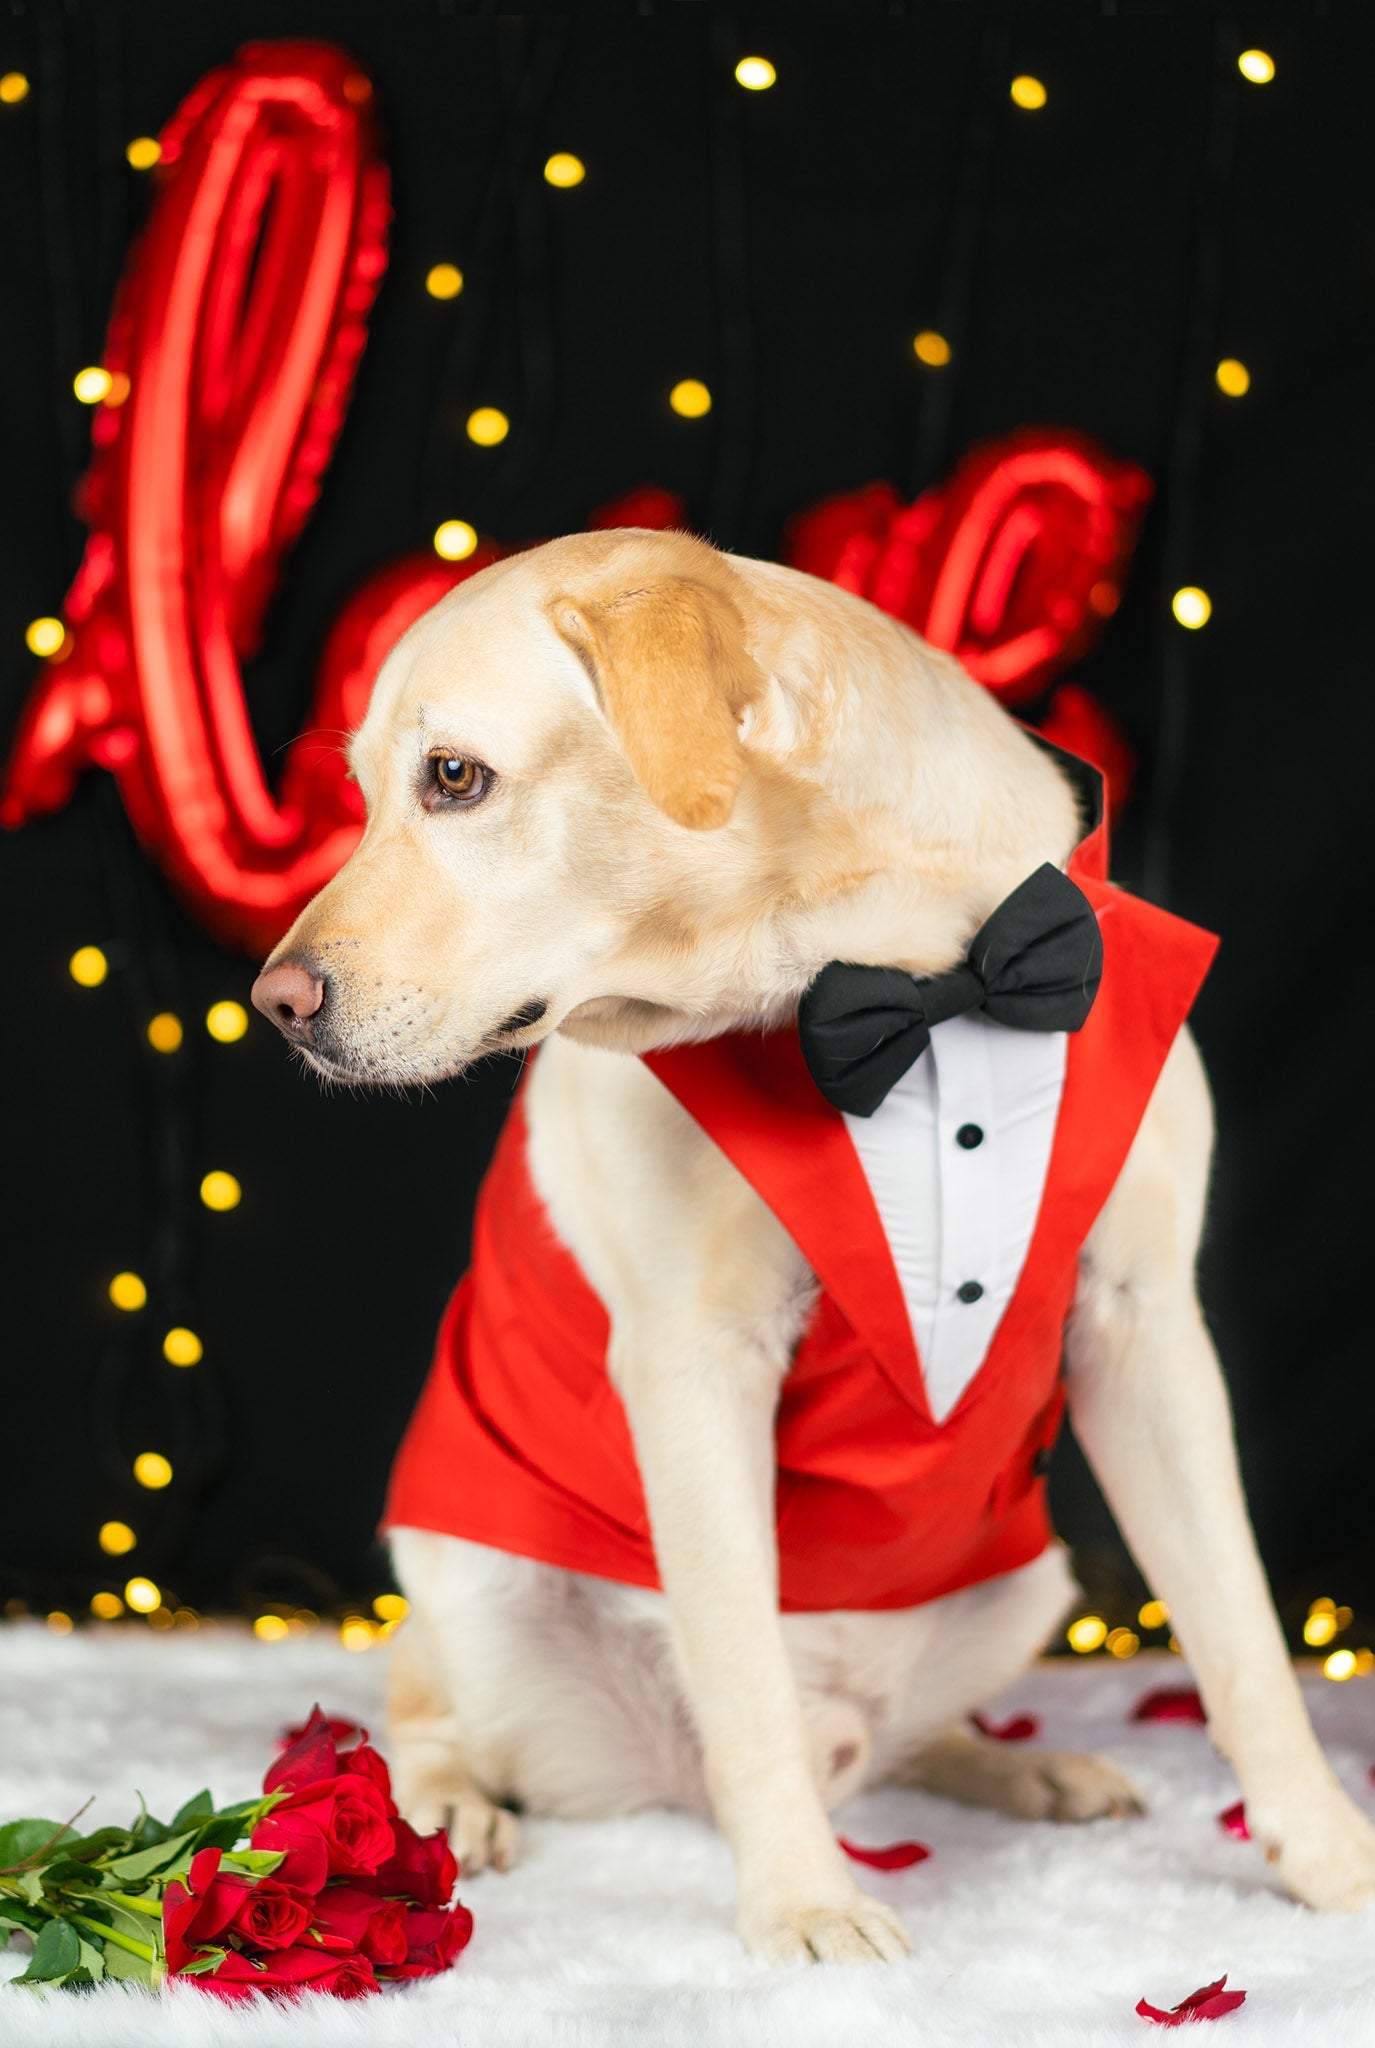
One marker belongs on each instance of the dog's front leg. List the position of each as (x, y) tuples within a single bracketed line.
[(701, 1406), (1148, 1404)]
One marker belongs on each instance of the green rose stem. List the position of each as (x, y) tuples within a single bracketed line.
[(135, 1948), (148, 1906)]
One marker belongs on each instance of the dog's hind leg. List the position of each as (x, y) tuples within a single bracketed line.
[(433, 1785), (1030, 1784)]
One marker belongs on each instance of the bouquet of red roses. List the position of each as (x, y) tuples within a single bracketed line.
[(317, 1885)]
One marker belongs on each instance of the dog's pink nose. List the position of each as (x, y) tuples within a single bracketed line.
[(290, 996)]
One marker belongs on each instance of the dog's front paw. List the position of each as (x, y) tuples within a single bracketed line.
[(482, 1835), (1324, 1854), (853, 1928)]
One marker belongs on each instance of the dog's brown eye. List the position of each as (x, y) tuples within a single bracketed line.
[(464, 781)]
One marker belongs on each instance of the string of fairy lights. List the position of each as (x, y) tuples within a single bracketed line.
[(934, 350)]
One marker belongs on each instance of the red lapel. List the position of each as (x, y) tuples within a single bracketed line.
[(755, 1099)]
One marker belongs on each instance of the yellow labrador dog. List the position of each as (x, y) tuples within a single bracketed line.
[(685, 782)]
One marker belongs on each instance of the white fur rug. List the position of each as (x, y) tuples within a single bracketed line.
[(619, 1933)]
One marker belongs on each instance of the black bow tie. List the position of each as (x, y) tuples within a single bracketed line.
[(1035, 964)]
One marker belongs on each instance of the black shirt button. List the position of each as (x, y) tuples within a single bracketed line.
[(969, 1135), (970, 1290)]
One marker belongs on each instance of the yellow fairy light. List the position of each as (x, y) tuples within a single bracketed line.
[(142, 1595), (60, 1623), (116, 1539), (88, 966), (356, 1633), (162, 1617), (1089, 1632), (1233, 377), (226, 1021), (564, 170), (1123, 1642), (143, 152), (391, 1607), (1153, 1614), (1028, 93), (45, 636), (487, 426), (270, 1628), (1319, 1629), (1341, 1664), (1192, 607), (92, 384), (165, 1033), (13, 88), (106, 1606), (152, 1470), (128, 1291), (931, 348), (182, 1347), (119, 390), (221, 1191), (1365, 1663), (444, 281), (690, 398), (455, 540), (1257, 66), (756, 74)]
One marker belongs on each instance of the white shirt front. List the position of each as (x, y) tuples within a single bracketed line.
[(958, 1212)]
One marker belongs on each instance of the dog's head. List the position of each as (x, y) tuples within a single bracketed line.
[(579, 816)]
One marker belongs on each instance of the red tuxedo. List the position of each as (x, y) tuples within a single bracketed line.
[(520, 1441)]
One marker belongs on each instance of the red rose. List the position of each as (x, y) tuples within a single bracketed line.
[(362, 1921), (290, 1970), (272, 1914), (420, 1867), (195, 1912), (310, 1755), (435, 1938), (365, 1761), (333, 1827)]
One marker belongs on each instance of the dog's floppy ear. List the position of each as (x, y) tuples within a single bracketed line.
[(670, 665)]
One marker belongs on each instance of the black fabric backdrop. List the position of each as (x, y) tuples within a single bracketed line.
[(1098, 222)]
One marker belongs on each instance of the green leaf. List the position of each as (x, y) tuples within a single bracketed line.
[(92, 1961), (207, 1960), (20, 1839), (62, 1871), (198, 1807), (144, 1862), (253, 1862), (12, 1914), (119, 1963), (30, 1886), (86, 1848), (56, 1953)]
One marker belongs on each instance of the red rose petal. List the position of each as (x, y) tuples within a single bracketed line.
[(1021, 1727), (895, 1856), (1170, 1703), (1233, 1821), (1210, 2003)]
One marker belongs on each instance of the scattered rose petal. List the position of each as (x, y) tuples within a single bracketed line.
[(1233, 1821), (1208, 2004), (1021, 1727), (338, 1731), (1170, 1703), (896, 1856)]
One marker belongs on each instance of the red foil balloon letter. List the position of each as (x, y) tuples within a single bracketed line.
[(231, 350)]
